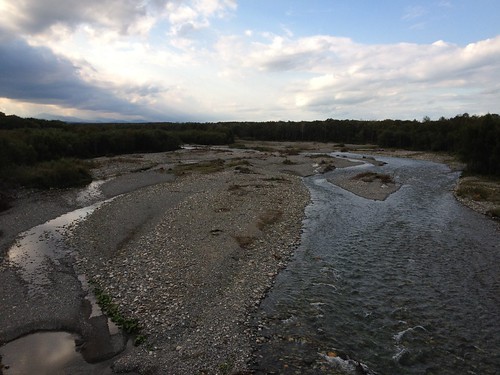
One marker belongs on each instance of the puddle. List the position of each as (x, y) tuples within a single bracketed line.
[(39, 353), (40, 255), (47, 353), (37, 251), (96, 309), (91, 193)]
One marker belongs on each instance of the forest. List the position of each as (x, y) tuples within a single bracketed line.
[(45, 154)]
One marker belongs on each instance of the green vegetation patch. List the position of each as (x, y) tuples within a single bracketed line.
[(205, 167), (480, 190), (320, 156), (112, 311), (62, 173)]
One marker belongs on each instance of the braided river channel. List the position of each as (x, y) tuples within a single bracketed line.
[(409, 285)]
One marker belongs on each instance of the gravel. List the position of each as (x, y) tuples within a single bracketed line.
[(191, 260)]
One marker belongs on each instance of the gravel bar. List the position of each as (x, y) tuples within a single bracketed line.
[(191, 261)]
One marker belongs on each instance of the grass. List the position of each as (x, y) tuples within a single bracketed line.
[(277, 179), (226, 367), (62, 173), (206, 167), (290, 150), (288, 162), (372, 176), (112, 311), (320, 156), (478, 192), (494, 213), (235, 187), (243, 146), (238, 162), (482, 189)]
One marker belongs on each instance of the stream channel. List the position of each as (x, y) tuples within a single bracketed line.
[(50, 322), (40, 255), (409, 285)]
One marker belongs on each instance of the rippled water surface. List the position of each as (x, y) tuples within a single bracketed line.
[(409, 285)]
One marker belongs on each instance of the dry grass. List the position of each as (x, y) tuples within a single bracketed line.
[(238, 162), (478, 190), (205, 167), (482, 190), (277, 179), (372, 176), (268, 218), (494, 213), (288, 162), (320, 156), (244, 241)]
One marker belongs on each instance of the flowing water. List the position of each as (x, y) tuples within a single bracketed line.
[(409, 285)]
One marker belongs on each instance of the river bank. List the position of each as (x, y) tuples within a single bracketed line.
[(188, 250)]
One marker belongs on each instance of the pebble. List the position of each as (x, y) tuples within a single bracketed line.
[(189, 289)]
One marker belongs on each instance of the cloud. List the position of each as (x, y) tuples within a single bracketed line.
[(333, 73), (121, 16), (35, 16), (165, 59), (37, 75)]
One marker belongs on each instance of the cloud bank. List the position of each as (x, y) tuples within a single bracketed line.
[(177, 60)]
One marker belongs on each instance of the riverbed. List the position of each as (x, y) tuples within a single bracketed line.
[(409, 285), (402, 285)]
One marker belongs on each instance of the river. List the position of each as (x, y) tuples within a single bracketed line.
[(409, 285)]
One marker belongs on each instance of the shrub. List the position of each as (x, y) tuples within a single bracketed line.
[(112, 311), (210, 166), (494, 213), (63, 173), (5, 201), (477, 193), (372, 176)]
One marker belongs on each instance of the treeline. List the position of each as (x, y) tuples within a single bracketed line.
[(475, 139), (44, 154), (39, 147)]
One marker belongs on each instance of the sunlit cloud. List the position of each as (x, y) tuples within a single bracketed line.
[(181, 60)]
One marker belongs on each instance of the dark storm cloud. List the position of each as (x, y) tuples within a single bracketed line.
[(37, 75), (35, 16)]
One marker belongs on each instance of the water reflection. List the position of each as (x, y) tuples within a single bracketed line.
[(36, 252), (40, 353)]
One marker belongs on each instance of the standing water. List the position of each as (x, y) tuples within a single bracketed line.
[(40, 256), (409, 285)]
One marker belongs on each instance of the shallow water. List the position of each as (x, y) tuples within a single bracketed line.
[(37, 255), (37, 249), (409, 285), (47, 353)]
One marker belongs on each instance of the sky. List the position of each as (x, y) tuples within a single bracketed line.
[(249, 60)]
